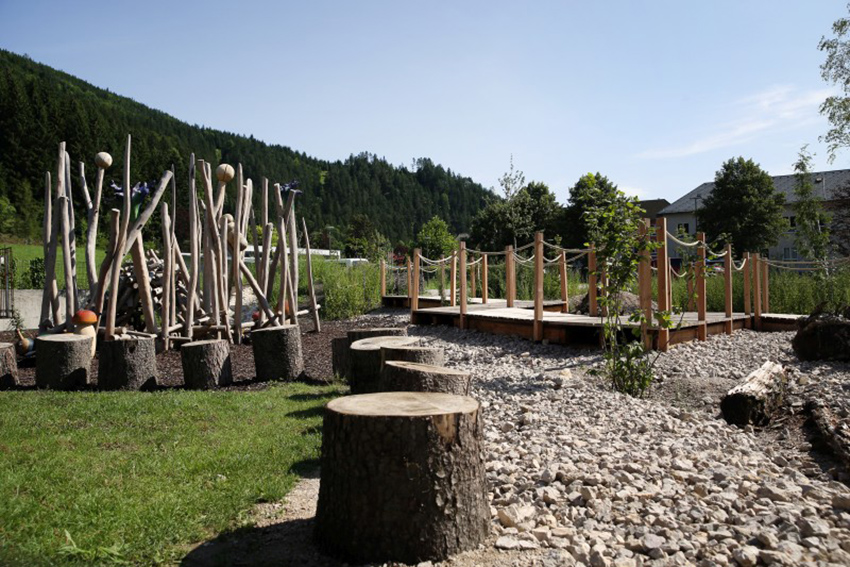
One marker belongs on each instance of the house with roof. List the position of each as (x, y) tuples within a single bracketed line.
[(681, 214)]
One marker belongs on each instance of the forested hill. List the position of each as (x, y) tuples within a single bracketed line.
[(40, 106)]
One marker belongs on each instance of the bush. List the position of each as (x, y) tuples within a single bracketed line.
[(348, 291), (33, 278)]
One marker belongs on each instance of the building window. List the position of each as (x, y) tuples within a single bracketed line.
[(684, 228), (792, 223)]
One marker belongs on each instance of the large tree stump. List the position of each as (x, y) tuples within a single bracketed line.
[(8, 366), (277, 352), (402, 477), (206, 364), (358, 334), (423, 355), (127, 364), (401, 376), (63, 361), (365, 359), (340, 347), (754, 400), (339, 354)]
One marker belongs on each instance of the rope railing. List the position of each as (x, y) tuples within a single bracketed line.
[(741, 267), (562, 249), (682, 242)]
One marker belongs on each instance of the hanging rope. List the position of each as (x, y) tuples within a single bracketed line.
[(682, 242), (562, 249), (741, 267), (677, 274)]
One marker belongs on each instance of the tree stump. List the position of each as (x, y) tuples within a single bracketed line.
[(127, 364), (63, 361), (277, 352), (8, 366), (822, 337), (339, 353), (358, 334), (754, 400), (365, 359), (206, 364), (402, 477), (423, 355), (401, 376)]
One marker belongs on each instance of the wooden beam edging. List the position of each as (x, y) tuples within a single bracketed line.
[(701, 288), (593, 305), (414, 298), (663, 266), (537, 330), (727, 287), (463, 290)]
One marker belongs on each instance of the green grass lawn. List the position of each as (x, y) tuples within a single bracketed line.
[(131, 478), (23, 253)]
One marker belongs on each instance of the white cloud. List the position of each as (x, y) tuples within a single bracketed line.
[(779, 108), (641, 194)]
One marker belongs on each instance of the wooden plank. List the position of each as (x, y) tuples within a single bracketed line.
[(538, 286)]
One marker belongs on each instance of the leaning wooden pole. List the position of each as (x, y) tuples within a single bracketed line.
[(702, 328), (727, 287), (314, 306), (537, 328), (50, 297)]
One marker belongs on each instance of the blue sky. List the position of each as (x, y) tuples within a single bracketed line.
[(654, 94)]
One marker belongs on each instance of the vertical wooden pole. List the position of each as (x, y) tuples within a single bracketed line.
[(565, 292), (765, 286), (663, 280), (463, 294), (414, 297), (189, 321), (442, 282), (236, 276), (756, 260), (645, 285), (167, 258), (702, 329), (383, 278), (453, 277), (472, 288), (314, 306), (727, 286), (593, 304), (510, 279), (292, 225), (484, 279), (538, 287), (747, 292), (409, 283)]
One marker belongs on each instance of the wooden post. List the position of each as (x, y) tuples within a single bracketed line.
[(453, 277), (484, 279), (235, 256), (537, 329), (383, 278), (645, 285), (293, 261), (463, 290), (593, 305), (702, 330), (663, 266), (727, 285), (756, 267), (409, 282), (314, 307), (472, 288), (565, 292), (442, 282), (747, 291), (414, 298), (765, 286), (167, 258), (510, 279), (140, 268), (189, 321)]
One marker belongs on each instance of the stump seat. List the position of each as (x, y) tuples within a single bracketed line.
[(421, 354), (206, 364), (402, 477), (277, 352), (63, 361), (399, 375), (127, 364), (341, 346), (365, 361), (8, 366)]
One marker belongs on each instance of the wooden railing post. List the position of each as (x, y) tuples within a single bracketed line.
[(565, 292), (593, 306), (463, 291), (472, 288), (409, 281), (756, 291), (453, 282), (747, 291), (645, 284), (765, 286), (662, 263), (442, 282), (537, 329), (484, 279), (383, 278), (727, 286), (510, 277), (702, 329), (414, 298)]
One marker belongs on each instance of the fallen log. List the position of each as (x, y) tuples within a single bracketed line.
[(754, 400)]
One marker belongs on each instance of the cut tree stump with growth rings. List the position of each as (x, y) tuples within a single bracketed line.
[(340, 347), (402, 477), (277, 352), (365, 360), (423, 355), (754, 400), (63, 361), (401, 376), (127, 364), (206, 364), (8, 366)]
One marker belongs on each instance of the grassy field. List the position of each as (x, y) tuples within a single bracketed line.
[(132, 478), (23, 253)]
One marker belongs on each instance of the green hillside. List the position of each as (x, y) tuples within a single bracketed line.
[(39, 107)]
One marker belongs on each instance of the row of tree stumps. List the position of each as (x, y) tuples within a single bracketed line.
[(402, 469), (160, 300)]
